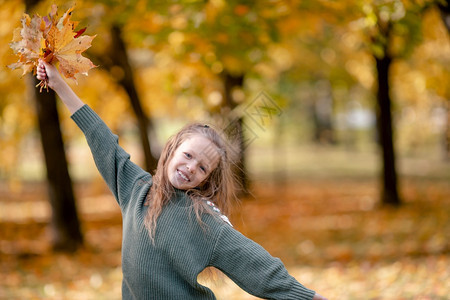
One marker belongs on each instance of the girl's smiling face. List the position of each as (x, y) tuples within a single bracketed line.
[(192, 162)]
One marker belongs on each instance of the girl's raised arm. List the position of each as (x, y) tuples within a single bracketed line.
[(49, 72), (112, 161)]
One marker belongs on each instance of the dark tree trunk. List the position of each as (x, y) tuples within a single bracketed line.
[(389, 176), (231, 82), (445, 13), (322, 112), (119, 58), (65, 225)]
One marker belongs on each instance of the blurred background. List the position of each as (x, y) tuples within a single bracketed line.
[(341, 109)]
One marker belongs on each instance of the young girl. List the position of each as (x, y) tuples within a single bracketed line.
[(172, 227)]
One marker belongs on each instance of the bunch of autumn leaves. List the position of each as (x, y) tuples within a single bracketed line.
[(54, 41)]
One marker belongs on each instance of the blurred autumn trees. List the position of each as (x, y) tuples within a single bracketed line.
[(208, 60)]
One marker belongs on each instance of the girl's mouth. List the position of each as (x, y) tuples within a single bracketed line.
[(183, 176)]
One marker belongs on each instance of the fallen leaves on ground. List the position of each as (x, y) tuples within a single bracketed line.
[(332, 236)]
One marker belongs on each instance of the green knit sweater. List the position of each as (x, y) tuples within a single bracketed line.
[(168, 269)]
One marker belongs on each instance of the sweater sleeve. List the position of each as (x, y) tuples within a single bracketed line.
[(113, 163), (252, 268)]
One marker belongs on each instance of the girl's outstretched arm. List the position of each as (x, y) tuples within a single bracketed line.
[(49, 72), (122, 176)]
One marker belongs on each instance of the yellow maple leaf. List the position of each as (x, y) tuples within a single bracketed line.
[(27, 43), (54, 41), (70, 59)]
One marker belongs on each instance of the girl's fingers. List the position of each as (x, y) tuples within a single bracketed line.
[(41, 75), (41, 72)]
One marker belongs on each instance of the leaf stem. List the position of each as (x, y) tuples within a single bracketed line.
[(43, 84)]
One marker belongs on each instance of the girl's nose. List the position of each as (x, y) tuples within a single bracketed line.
[(192, 167)]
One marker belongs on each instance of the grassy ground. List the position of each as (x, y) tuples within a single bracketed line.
[(323, 221)]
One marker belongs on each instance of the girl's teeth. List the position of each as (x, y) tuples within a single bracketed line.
[(182, 176)]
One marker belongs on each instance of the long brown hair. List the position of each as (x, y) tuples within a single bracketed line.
[(220, 187)]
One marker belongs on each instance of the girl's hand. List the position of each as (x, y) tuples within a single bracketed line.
[(51, 76), (48, 72)]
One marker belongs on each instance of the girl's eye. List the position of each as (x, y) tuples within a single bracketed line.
[(203, 169), (187, 155)]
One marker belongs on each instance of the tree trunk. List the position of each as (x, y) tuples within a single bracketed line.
[(322, 112), (65, 225), (231, 82), (389, 176), (445, 13), (119, 58)]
